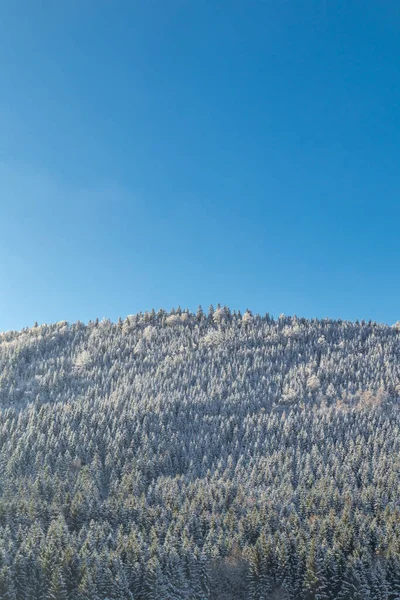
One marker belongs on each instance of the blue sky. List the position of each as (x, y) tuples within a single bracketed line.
[(156, 154)]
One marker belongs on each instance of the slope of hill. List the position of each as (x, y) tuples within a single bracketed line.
[(194, 456)]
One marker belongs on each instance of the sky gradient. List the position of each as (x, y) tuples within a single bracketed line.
[(156, 154)]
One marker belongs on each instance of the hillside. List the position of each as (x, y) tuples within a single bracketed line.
[(194, 456)]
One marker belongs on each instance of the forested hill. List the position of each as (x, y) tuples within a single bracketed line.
[(180, 456)]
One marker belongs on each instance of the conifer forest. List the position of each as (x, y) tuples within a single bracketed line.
[(195, 456)]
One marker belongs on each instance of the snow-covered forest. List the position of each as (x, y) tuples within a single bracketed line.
[(180, 456)]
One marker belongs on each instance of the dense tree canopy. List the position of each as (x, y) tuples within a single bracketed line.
[(193, 456)]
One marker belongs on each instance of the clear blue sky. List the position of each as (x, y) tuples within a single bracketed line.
[(155, 154)]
